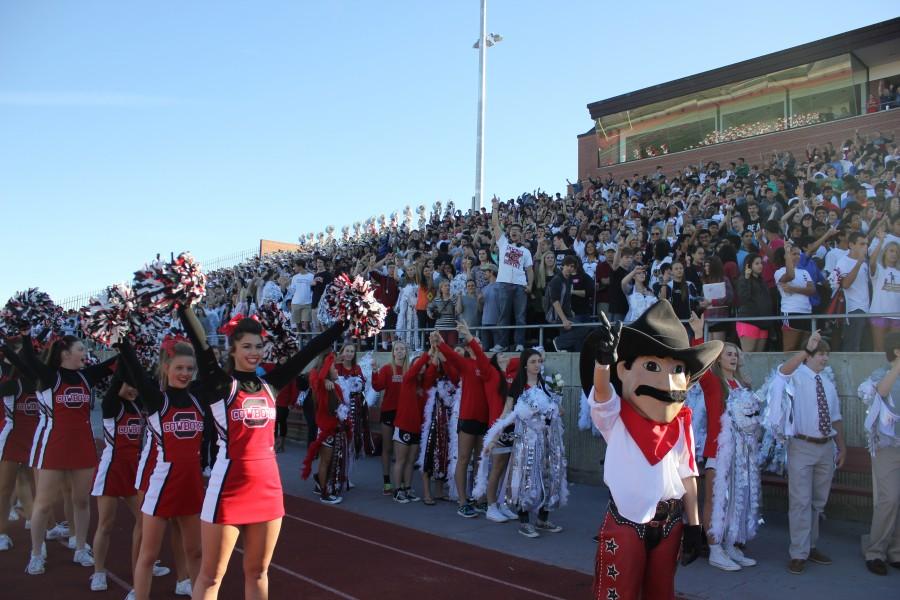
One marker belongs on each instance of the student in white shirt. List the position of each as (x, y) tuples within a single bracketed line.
[(814, 428), (514, 279), (853, 271), (795, 286), (883, 266), (301, 300)]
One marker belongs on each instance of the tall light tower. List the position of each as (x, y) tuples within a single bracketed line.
[(484, 42)]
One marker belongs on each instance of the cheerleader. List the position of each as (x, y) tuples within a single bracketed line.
[(20, 409), (389, 379), (536, 479), (731, 477), (407, 433), (122, 429), (359, 411), (244, 491), (332, 443), (439, 441), (174, 486), (473, 419), (63, 445)]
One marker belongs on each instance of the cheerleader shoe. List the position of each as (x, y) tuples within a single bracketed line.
[(131, 596), (508, 512), (387, 489), (13, 514), (5, 542), (548, 526), (480, 507), (735, 554), (495, 514), (36, 565), (60, 530), (159, 570), (98, 582), (528, 530), (28, 524), (720, 560), (183, 588), (84, 557)]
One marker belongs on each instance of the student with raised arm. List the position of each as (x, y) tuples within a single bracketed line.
[(811, 423)]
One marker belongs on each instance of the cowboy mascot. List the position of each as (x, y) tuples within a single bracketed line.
[(636, 379)]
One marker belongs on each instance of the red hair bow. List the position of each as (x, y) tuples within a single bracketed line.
[(228, 328), (170, 341)]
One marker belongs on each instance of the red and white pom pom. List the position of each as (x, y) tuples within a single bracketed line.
[(161, 285), (280, 340), (147, 330), (31, 309), (106, 317), (354, 303)]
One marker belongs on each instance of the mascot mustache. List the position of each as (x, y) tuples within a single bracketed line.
[(658, 394)]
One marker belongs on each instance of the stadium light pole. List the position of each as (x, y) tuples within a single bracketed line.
[(484, 42)]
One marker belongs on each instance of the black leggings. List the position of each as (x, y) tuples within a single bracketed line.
[(281, 415), (309, 413), (525, 516)]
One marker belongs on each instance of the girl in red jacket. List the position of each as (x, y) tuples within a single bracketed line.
[(408, 424), (389, 380), (473, 417), (332, 444)]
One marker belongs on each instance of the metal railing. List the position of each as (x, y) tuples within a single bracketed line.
[(422, 334)]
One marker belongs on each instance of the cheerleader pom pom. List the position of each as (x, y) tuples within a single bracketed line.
[(31, 309), (106, 318), (189, 281), (280, 340), (160, 285), (353, 302)]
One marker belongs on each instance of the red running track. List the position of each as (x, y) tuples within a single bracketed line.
[(323, 553)]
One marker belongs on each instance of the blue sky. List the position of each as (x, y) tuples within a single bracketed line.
[(128, 129)]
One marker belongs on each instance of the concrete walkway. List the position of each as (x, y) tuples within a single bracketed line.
[(574, 549)]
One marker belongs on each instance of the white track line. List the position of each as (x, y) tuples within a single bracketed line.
[(426, 559), (319, 584)]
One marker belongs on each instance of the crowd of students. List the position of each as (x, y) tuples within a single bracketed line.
[(734, 240)]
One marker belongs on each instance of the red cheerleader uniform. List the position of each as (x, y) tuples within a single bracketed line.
[(64, 439), (20, 407), (122, 429), (175, 486), (245, 485)]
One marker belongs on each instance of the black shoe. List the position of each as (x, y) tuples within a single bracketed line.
[(876, 566), (896, 564)]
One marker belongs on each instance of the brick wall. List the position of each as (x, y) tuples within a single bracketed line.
[(794, 140)]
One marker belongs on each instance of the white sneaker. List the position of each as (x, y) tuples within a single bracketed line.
[(735, 554), (27, 524), (183, 588), (84, 557), (495, 514), (159, 570), (508, 512), (72, 543), (720, 560), (520, 348), (5, 542), (35, 565), (98, 582), (498, 348), (207, 472), (131, 596), (58, 531), (13, 514)]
